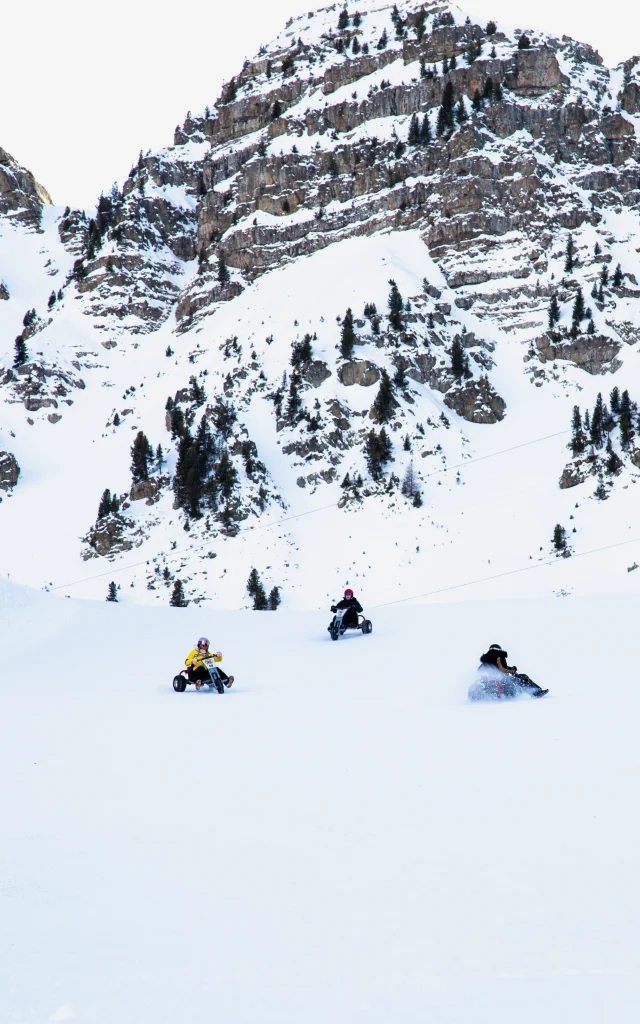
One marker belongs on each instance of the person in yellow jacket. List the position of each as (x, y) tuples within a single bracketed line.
[(198, 672)]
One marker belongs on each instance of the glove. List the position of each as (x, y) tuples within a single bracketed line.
[(333, 608), (218, 654)]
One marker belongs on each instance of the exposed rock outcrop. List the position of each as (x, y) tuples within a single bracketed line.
[(21, 197), (591, 352), (9, 471)]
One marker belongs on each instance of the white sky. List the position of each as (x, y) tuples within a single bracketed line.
[(86, 86)]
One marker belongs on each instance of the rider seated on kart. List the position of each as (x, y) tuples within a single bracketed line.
[(494, 664), (353, 609), (198, 672)]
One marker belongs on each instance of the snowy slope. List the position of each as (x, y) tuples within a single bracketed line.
[(340, 837), (486, 518)]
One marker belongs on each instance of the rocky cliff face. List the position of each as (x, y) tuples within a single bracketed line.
[(21, 197), (502, 168)]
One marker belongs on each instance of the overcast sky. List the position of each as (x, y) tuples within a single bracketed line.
[(85, 86)]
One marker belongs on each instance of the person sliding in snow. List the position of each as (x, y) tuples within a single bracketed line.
[(198, 672), (494, 663), (353, 608)]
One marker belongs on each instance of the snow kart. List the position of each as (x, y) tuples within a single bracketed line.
[(502, 687), (181, 681), (336, 628)]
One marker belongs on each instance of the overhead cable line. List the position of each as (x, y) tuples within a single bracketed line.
[(301, 515), (510, 572)]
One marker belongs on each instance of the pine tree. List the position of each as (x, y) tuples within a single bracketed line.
[(223, 417), (614, 401), (177, 599), (255, 590), (596, 249), (597, 439), (188, 480), (230, 92), (604, 276), (396, 306), (461, 111), (198, 394), (453, 63), (425, 131), (617, 277), (459, 361), (417, 500), (355, 46), (400, 377), (112, 592), (497, 92), (378, 451), (613, 463), (554, 311), (169, 352), (302, 351), (409, 485), (108, 503), (578, 314), (569, 253), (343, 20), (223, 271), (445, 114), (524, 42), (20, 352), (177, 423), (294, 402), (626, 422), (384, 39), (578, 441), (414, 131), (445, 66), (347, 336), (487, 92), (560, 539), (383, 405), (226, 476), (160, 459), (141, 456), (274, 599), (52, 300), (601, 491), (491, 28)]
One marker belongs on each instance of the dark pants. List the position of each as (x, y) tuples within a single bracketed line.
[(350, 618), (524, 680), (201, 674)]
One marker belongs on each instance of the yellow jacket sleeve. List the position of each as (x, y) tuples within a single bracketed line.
[(191, 657), (216, 658)]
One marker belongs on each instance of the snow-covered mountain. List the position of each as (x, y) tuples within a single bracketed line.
[(233, 304)]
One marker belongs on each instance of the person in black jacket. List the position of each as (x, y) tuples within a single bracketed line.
[(353, 608), (496, 659)]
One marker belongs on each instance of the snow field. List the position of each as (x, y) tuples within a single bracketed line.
[(340, 837)]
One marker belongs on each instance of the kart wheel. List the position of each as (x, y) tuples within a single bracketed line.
[(219, 684), (334, 632), (367, 626), (179, 684)]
